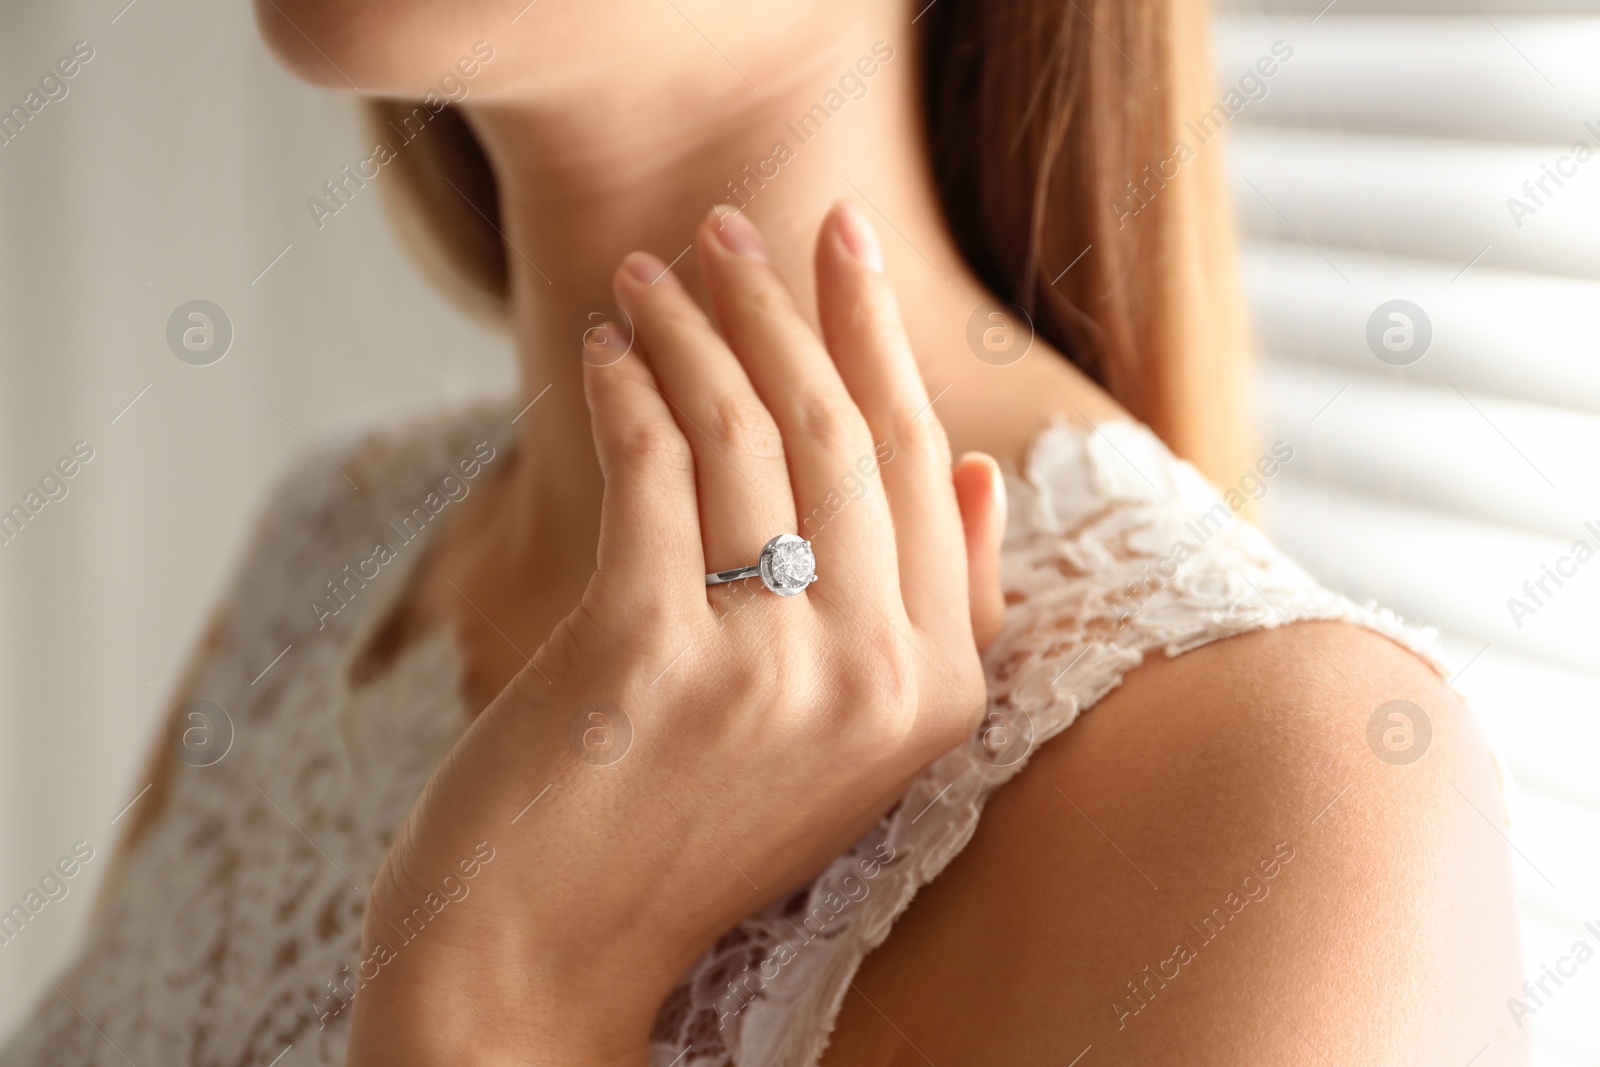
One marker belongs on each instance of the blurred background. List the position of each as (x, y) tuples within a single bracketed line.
[(1398, 162)]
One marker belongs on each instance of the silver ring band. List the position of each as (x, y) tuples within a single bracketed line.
[(738, 574), (786, 567)]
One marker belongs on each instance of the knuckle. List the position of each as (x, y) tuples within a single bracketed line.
[(655, 442), (882, 684), (829, 424), (673, 315), (395, 884), (738, 421), (965, 699), (872, 311), (769, 299), (923, 435), (623, 632)]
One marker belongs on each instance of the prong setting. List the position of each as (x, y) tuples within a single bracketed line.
[(788, 565)]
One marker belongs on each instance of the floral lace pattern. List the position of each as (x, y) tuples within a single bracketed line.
[(227, 935)]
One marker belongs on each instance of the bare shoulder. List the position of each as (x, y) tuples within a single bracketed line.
[(1222, 862)]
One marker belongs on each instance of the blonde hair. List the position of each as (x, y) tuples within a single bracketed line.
[(1049, 126)]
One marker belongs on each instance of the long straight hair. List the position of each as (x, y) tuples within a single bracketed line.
[(1053, 129)]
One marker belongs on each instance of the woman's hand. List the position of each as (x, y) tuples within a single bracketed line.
[(677, 756)]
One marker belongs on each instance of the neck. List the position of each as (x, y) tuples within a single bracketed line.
[(609, 162), (606, 168)]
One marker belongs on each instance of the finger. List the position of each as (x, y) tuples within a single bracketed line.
[(649, 532), (861, 325), (824, 435), (981, 494), (743, 482)]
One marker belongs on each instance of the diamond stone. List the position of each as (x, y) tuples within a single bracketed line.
[(788, 564)]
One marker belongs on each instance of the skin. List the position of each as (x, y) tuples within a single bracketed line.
[(1387, 939)]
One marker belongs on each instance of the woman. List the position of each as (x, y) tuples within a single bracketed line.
[(531, 785)]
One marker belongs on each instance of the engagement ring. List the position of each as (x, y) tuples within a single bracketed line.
[(786, 566)]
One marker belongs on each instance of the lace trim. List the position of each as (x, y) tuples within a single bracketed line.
[(238, 913), (242, 904)]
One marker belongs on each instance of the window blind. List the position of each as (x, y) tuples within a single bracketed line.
[(1447, 153)]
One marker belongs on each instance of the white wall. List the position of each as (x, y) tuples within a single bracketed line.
[(190, 157)]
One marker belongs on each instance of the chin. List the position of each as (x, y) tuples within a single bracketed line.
[(380, 47)]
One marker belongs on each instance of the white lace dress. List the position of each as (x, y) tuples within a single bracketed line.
[(239, 909)]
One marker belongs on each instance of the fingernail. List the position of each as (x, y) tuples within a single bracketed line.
[(738, 234), (997, 478), (858, 235), (647, 268), (605, 344)]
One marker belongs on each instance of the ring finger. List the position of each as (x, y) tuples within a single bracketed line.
[(828, 440), (740, 471)]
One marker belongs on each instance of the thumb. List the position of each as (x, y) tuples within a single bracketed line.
[(981, 494)]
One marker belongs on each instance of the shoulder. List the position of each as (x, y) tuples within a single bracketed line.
[(1214, 864)]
